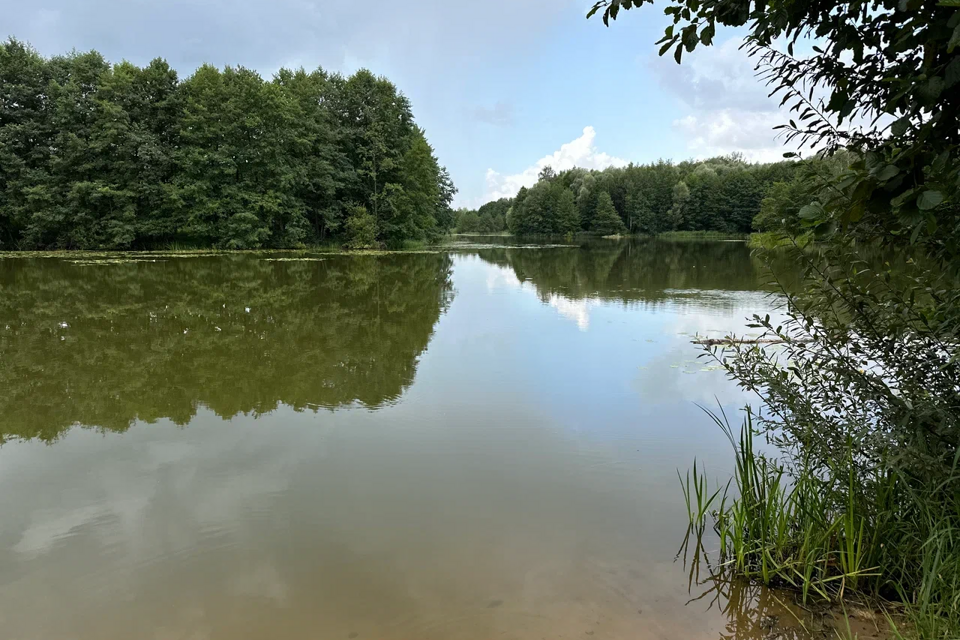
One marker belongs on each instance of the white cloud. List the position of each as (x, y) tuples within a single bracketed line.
[(729, 107), (718, 132), (719, 77), (573, 309), (580, 152)]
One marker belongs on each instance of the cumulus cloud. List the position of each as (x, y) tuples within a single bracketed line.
[(581, 152), (730, 110), (720, 77), (718, 132)]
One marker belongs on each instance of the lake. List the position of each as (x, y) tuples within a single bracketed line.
[(481, 442)]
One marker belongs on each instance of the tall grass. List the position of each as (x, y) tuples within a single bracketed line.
[(834, 535)]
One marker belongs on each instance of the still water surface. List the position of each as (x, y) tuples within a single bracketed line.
[(479, 443)]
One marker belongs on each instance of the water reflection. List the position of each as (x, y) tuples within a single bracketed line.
[(517, 478), (651, 272), (106, 344)]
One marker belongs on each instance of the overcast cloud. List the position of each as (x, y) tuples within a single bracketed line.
[(267, 35)]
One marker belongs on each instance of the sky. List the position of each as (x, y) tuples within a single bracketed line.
[(502, 87)]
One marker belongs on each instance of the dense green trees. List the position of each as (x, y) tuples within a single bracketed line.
[(94, 155), (547, 207), (605, 218), (720, 194), (490, 218)]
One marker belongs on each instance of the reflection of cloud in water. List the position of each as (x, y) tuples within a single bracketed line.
[(124, 498), (677, 374), (502, 278), (576, 310), (710, 322)]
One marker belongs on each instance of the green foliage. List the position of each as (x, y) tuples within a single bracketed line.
[(101, 156), (361, 229), (467, 221), (719, 195), (780, 209), (490, 218), (892, 65), (861, 391), (606, 221), (548, 207)]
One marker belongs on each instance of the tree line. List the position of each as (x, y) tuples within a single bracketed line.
[(724, 194), (95, 155)]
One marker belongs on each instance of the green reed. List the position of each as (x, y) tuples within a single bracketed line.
[(831, 534)]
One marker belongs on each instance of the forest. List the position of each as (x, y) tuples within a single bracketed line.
[(95, 155), (723, 194)]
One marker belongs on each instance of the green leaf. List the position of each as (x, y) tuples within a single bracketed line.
[(837, 100), (848, 181), (932, 89), (855, 212), (903, 197), (614, 9), (954, 39), (888, 172), (812, 211), (916, 233), (952, 73), (678, 53), (706, 36), (940, 162), (899, 127), (929, 200)]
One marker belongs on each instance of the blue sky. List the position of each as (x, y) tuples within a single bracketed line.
[(502, 87)]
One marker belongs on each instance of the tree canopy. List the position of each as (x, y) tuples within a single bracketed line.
[(882, 80), (721, 194), (96, 155)]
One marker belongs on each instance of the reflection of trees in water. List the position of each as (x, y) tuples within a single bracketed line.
[(104, 345), (647, 271)]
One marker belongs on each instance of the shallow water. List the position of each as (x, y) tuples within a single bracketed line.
[(480, 443)]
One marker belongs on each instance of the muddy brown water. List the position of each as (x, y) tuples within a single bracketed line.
[(477, 443)]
